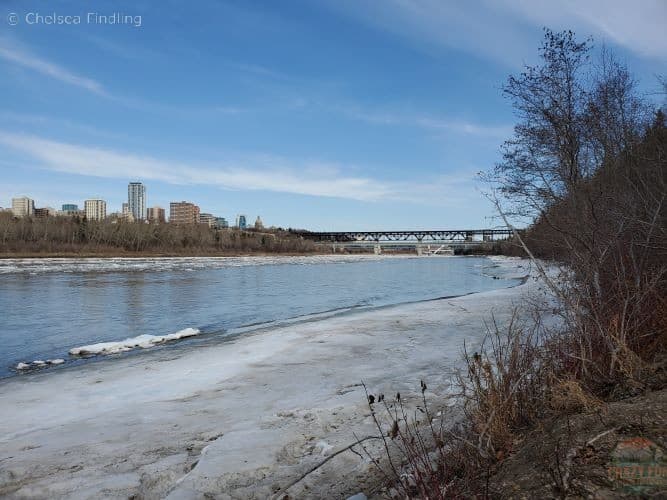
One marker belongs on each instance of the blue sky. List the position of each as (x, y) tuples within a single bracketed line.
[(326, 115)]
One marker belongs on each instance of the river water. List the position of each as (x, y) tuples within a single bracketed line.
[(48, 306)]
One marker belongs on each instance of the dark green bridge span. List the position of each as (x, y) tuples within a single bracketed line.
[(440, 236)]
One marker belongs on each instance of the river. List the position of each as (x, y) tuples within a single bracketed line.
[(50, 306)]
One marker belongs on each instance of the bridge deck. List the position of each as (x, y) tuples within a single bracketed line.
[(443, 236)]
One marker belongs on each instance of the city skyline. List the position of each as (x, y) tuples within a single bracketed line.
[(245, 109), (97, 208)]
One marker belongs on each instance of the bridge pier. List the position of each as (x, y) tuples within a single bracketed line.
[(420, 249), (377, 249)]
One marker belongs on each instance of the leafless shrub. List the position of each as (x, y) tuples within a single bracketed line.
[(419, 448), (504, 385)]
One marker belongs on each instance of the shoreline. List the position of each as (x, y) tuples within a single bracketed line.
[(241, 418), (147, 255), (170, 255)]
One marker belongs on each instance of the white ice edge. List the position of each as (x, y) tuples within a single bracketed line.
[(142, 341), (38, 363)]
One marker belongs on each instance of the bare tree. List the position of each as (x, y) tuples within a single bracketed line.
[(589, 165), (544, 161)]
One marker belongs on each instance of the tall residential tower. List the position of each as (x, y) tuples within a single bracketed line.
[(136, 200)]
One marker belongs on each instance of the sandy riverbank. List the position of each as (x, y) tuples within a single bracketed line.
[(235, 420)]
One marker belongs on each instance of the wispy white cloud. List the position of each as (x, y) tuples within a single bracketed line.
[(258, 69), (254, 172), (637, 26), (12, 119), (428, 122), (482, 28), (14, 53), (504, 30), (267, 173), (23, 58)]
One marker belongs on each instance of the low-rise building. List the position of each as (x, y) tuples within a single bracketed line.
[(70, 210), (126, 214), (95, 209), (156, 215), (221, 223), (207, 219), (183, 212), (23, 206), (45, 212), (71, 213)]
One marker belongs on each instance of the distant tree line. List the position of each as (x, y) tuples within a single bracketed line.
[(65, 235)]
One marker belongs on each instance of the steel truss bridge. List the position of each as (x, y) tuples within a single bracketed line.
[(465, 236)]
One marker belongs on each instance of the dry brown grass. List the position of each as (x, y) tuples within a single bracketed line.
[(567, 396)]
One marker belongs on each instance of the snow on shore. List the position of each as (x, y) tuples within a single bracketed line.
[(143, 341), (238, 419)]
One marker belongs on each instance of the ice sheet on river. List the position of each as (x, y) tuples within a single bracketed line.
[(237, 419), (121, 264)]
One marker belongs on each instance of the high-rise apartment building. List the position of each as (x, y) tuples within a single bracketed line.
[(23, 206), (136, 200), (156, 215), (183, 212), (241, 221), (95, 209)]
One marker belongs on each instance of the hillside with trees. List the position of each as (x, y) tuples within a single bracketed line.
[(545, 405)]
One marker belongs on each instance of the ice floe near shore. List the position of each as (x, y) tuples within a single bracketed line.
[(142, 341), (104, 348), (38, 363)]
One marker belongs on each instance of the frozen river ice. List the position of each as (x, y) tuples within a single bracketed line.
[(237, 419), (52, 307)]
